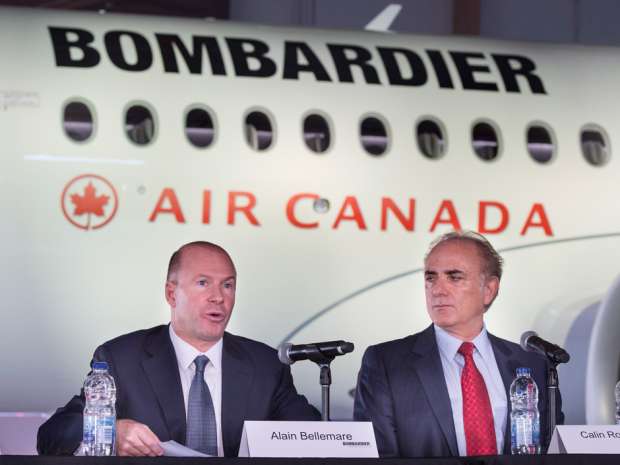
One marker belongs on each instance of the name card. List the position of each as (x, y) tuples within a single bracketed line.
[(308, 439), (585, 439)]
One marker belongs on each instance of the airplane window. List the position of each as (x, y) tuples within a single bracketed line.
[(373, 136), (199, 127), (258, 131), (594, 145), (539, 143), (78, 121), (316, 133), (139, 124), (485, 141), (430, 139)]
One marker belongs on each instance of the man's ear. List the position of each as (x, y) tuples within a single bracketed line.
[(170, 293), (491, 288)]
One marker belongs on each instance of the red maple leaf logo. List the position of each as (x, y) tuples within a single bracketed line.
[(89, 203)]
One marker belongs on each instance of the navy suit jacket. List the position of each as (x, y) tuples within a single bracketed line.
[(255, 386), (402, 389)]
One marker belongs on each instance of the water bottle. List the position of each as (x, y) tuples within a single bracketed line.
[(99, 412), (524, 416), (618, 403)]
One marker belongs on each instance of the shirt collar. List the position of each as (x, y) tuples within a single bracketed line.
[(449, 345), (186, 353)]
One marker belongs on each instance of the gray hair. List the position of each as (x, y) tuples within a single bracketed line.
[(493, 263)]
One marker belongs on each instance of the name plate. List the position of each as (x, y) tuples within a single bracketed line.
[(585, 439), (308, 439)]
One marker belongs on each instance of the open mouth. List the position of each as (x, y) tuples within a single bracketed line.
[(215, 317)]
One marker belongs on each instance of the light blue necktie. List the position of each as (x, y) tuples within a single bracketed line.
[(201, 427)]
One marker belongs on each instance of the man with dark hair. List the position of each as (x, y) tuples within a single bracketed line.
[(189, 381), (444, 391)]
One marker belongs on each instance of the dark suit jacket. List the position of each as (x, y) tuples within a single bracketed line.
[(255, 386), (401, 388)]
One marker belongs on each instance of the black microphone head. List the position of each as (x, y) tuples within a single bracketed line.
[(562, 357), (283, 353), (524, 337), (347, 347)]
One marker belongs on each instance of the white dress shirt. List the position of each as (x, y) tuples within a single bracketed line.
[(186, 354), (453, 364)]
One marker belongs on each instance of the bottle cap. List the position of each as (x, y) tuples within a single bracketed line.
[(100, 365), (524, 371)]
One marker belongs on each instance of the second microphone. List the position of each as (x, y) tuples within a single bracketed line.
[(289, 353)]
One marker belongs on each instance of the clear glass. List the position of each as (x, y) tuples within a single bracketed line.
[(78, 121), (374, 136)]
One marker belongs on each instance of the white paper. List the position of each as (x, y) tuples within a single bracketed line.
[(174, 449)]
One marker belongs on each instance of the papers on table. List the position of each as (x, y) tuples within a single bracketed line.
[(174, 449)]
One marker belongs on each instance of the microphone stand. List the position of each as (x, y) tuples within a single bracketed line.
[(325, 379), (553, 385)]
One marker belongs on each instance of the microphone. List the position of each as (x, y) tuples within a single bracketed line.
[(317, 352), (531, 342)]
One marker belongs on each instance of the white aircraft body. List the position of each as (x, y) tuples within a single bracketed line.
[(325, 162)]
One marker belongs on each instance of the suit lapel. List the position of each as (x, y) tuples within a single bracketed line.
[(237, 377), (427, 364), (162, 371), (507, 365)]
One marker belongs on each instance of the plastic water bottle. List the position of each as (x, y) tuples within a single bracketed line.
[(524, 416), (100, 412), (618, 403)]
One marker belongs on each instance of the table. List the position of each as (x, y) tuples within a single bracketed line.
[(490, 460)]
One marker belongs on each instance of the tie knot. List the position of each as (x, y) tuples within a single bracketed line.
[(201, 362), (466, 349)]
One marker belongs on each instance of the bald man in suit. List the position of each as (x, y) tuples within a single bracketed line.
[(156, 369)]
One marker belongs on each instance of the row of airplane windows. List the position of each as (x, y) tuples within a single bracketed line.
[(259, 132)]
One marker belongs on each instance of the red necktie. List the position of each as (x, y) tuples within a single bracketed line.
[(477, 413)]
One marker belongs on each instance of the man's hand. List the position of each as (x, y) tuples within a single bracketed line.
[(136, 439)]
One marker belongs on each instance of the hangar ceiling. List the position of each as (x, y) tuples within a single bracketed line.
[(191, 8), (557, 21)]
